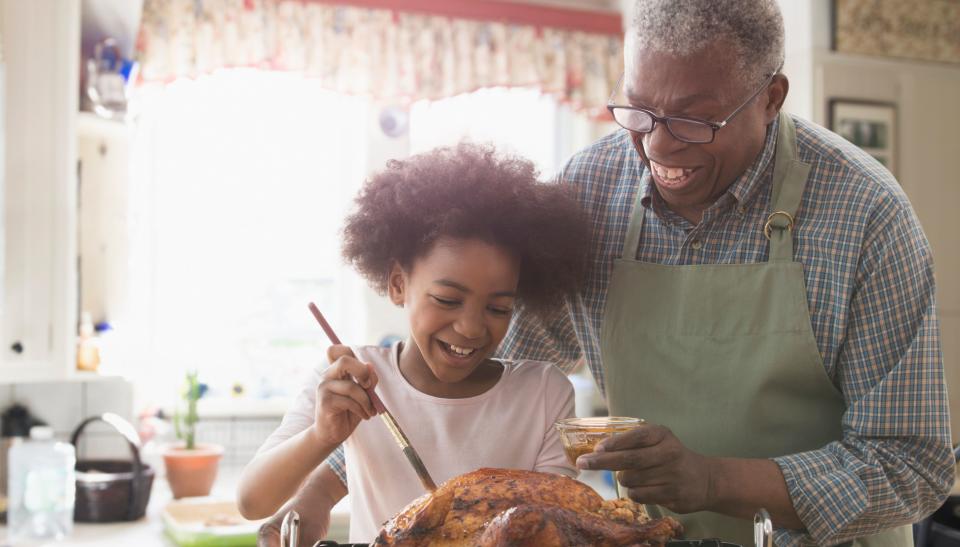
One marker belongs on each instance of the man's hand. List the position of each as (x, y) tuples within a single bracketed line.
[(656, 468), (313, 526)]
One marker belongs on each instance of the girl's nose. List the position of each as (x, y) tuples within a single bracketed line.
[(470, 325)]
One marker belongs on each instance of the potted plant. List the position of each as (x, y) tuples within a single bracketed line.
[(191, 467)]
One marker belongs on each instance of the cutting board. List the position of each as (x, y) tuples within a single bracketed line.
[(207, 522)]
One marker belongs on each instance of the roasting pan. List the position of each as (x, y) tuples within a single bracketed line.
[(676, 543), (762, 535)]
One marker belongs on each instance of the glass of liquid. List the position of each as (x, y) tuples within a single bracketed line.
[(580, 436)]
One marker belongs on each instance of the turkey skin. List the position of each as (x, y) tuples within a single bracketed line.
[(506, 507)]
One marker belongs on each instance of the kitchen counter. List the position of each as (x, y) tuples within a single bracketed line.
[(149, 531)]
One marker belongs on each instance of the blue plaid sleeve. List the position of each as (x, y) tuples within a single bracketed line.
[(894, 464), (338, 463), (552, 340)]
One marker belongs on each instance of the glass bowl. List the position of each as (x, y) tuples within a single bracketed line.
[(579, 436)]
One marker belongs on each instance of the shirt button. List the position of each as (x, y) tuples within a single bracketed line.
[(696, 245)]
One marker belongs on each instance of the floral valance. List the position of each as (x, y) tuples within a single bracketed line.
[(392, 55)]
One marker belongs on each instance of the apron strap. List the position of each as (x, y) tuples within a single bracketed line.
[(632, 242), (789, 180)]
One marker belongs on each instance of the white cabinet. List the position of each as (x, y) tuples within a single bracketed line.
[(40, 44)]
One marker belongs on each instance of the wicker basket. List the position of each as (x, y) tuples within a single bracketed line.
[(112, 490)]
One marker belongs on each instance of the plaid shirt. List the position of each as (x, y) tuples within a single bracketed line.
[(870, 291)]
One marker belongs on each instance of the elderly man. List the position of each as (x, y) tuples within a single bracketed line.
[(762, 294)]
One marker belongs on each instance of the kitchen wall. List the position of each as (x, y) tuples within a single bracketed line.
[(929, 115), (64, 404)]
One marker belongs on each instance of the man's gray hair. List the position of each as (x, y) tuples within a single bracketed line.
[(682, 27)]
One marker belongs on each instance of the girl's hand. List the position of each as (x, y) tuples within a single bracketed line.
[(341, 399), (314, 501)]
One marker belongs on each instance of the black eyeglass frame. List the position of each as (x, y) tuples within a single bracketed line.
[(665, 120)]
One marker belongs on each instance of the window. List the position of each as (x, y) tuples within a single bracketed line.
[(240, 183), (523, 121)]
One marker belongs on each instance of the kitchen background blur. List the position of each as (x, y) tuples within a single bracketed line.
[(175, 173)]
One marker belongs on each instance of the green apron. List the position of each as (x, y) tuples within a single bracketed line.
[(724, 354)]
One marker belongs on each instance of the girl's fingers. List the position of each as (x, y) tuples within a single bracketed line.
[(337, 351), (349, 367), (339, 403), (347, 388)]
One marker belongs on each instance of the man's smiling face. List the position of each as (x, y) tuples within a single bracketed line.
[(706, 86)]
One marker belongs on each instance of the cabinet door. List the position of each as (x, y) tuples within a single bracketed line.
[(40, 45)]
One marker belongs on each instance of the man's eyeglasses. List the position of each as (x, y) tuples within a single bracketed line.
[(689, 130)]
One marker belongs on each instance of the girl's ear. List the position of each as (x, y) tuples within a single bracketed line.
[(396, 285)]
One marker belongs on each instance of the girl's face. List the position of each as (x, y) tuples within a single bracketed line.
[(459, 297)]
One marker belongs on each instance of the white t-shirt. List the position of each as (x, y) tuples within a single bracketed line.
[(509, 426)]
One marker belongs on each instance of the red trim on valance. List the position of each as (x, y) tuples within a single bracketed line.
[(599, 22)]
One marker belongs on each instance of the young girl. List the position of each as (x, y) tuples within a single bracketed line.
[(457, 237)]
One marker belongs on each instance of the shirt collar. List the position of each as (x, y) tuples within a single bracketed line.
[(742, 189)]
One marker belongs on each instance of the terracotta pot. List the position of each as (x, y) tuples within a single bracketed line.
[(192, 472)]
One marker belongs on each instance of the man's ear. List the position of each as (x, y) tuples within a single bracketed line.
[(776, 94), (396, 285)]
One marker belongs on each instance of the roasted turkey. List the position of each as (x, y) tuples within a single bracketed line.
[(501, 507)]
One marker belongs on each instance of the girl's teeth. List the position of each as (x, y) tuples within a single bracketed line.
[(461, 351)]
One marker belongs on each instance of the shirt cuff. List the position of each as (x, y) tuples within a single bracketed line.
[(827, 497), (337, 462)]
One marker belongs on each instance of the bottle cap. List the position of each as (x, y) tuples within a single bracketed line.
[(41, 432)]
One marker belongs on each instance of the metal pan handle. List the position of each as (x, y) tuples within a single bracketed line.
[(290, 530), (762, 529)]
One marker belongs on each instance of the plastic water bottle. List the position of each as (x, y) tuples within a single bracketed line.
[(42, 488)]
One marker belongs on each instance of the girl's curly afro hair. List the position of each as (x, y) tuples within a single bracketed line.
[(470, 191)]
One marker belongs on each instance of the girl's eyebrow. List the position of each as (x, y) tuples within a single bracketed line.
[(461, 288)]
